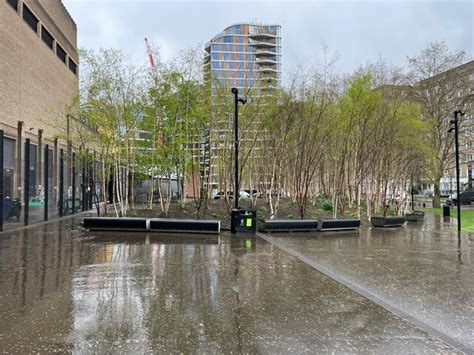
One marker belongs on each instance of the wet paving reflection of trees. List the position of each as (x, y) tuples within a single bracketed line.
[(67, 291)]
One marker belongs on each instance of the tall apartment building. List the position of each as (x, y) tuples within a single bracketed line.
[(38, 79), (245, 56)]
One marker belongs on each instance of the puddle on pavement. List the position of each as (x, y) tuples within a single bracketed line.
[(67, 291)]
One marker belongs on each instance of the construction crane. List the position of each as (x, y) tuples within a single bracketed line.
[(151, 57)]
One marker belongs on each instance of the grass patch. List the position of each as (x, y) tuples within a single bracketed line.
[(467, 223)]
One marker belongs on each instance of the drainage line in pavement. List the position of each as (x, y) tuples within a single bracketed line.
[(370, 296)]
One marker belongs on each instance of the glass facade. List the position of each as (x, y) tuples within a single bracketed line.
[(245, 56), (8, 165)]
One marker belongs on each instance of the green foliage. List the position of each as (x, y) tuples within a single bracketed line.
[(327, 206), (262, 212), (291, 216), (323, 203)]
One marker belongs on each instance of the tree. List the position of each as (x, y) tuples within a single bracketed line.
[(440, 90)]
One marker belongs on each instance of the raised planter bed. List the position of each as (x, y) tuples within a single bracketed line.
[(388, 221), (338, 224), (165, 225), (169, 225), (287, 225), (115, 224), (415, 216)]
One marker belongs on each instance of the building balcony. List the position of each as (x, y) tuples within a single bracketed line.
[(262, 44), (268, 70), (263, 35), (265, 51), (265, 61)]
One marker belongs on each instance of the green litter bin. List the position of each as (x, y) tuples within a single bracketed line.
[(243, 220)]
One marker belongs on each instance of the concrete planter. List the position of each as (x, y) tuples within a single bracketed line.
[(338, 224), (287, 225), (388, 221), (163, 225), (415, 216), (116, 224)]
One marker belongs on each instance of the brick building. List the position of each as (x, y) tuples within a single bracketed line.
[(38, 81)]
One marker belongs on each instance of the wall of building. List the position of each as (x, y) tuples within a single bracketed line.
[(37, 87)]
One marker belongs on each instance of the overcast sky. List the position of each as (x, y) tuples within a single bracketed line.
[(358, 31)]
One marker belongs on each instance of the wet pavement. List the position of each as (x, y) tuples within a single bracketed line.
[(421, 272), (64, 290)]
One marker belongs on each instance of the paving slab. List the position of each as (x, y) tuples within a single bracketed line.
[(422, 272), (65, 290)]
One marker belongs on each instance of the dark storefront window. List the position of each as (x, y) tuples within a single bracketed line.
[(8, 165), (33, 162), (50, 175)]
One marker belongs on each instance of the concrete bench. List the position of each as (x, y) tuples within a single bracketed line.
[(166, 225), (184, 225), (388, 222), (287, 225), (115, 224), (338, 224)]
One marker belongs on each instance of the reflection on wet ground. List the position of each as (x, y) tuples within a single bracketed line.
[(67, 291), (424, 270)]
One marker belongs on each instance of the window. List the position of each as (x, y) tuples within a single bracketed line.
[(30, 19), (14, 4), (72, 66), (8, 165), (61, 53), (46, 37)]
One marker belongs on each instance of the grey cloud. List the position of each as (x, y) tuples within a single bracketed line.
[(359, 31)]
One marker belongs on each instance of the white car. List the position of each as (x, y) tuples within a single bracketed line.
[(244, 194)]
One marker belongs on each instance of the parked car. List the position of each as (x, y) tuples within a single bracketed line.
[(466, 198), (220, 194), (244, 194)]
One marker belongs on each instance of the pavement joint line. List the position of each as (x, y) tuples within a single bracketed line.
[(370, 296)]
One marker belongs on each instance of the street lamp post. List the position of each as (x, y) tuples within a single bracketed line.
[(455, 128), (235, 91)]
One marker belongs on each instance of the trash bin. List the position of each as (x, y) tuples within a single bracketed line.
[(446, 211), (243, 220)]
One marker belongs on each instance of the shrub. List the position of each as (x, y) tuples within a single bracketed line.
[(327, 206), (291, 216), (262, 213)]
